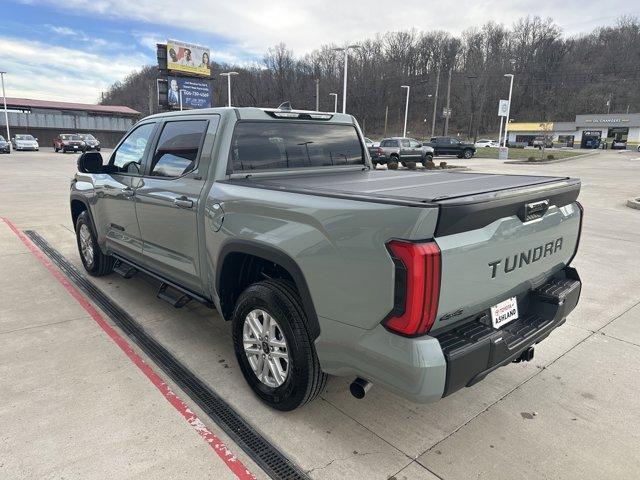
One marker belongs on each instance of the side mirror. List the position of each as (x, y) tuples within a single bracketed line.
[(419, 145), (36, 139), (90, 162)]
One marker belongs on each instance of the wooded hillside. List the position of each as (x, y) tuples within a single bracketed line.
[(556, 77)]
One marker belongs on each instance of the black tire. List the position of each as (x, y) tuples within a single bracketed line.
[(101, 264), (468, 153), (305, 379), (394, 158), (427, 158), (55, 149)]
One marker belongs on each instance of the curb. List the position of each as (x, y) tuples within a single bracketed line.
[(547, 162), (634, 203)]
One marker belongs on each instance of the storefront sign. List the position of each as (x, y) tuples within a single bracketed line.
[(606, 120)]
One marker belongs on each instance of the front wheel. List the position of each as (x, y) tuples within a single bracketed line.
[(95, 262), (467, 153), (273, 348)]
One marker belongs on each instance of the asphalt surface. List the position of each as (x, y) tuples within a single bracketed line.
[(75, 405)]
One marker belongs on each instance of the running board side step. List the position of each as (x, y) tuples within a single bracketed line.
[(173, 296), (168, 290), (124, 269)]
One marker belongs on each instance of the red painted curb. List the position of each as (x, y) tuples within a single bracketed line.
[(235, 465)]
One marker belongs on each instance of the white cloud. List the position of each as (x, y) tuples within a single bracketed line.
[(254, 25), (37, 70)]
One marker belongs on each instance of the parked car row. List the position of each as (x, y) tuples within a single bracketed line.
[(65, 142), (75, 142)]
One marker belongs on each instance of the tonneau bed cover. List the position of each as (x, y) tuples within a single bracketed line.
[(467, 200)]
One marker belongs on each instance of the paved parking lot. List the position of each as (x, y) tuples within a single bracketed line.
[(76, 405)]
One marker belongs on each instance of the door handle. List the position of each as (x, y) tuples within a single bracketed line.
[(183, 202)]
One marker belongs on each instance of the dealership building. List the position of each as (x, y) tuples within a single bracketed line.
[(587, 131), (45, 120)]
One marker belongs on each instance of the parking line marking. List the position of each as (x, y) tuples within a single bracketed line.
[(230, 460)]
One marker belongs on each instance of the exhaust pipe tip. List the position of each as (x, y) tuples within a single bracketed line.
[(359, 388)]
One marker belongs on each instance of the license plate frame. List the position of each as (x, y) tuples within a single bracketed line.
[(504, 312)]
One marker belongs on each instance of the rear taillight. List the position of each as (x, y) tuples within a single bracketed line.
[(417, 310), (379, 152)]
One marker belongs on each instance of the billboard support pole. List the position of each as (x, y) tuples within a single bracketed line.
[(180, 95)]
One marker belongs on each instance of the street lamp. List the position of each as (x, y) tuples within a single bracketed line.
[(6, 115), (335, 102), (228, 75), (506, 126), (344, 83), (406, 110)]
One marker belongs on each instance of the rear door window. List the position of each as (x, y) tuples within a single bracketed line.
[(178, 148), (404, 143), (277, 145)]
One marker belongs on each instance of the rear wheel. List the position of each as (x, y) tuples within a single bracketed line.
[(273, 348), (95, 262)]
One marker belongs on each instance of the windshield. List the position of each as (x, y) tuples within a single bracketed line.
[(70, 137), (87, 136), (2, 139), (24, 137), (272, 145)]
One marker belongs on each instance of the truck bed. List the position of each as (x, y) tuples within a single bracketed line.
[(466, 200)]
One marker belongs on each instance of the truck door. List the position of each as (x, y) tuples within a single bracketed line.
[(168, 201), (116, 205), (405, 149)]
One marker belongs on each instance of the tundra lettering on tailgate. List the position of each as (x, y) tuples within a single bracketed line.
[(521, 259)]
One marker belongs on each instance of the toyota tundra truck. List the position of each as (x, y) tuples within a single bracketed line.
[(277, 220)]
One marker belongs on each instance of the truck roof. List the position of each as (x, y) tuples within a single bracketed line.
[(255, 113)]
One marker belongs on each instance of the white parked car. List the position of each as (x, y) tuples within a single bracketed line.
[(487, 143), (25, 142)]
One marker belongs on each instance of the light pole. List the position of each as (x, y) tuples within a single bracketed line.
[(506, 125), (406, 110), (6, 115), (344, 83), (426, 134), (335, 102), (228, 75)]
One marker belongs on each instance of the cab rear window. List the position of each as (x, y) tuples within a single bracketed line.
[(278, 145)]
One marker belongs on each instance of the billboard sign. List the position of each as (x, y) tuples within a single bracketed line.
[(503, 108), (195, 93), (188, 58)]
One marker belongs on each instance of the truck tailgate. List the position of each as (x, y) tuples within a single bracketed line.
[(506, 258)]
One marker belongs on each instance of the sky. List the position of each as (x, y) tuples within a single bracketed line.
[(72, 50)]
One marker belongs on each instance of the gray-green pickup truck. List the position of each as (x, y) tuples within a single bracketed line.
[(419, 281)]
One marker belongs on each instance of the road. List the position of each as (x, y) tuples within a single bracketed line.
[(76, 406)]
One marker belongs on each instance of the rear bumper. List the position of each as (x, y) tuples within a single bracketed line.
[(425, 369), (475, 349)]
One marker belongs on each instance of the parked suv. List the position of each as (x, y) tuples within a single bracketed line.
[(402, 150), (276, 219), (452, 146), (90, 142)]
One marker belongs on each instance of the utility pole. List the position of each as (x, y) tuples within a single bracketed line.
[(609, 104), (386, 115), (435, 103), (446, 118), (506, 121), (335, 102), (150, 99), (317, 94), (228, 75), (6, 115), (406, 110), (344, 83)]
